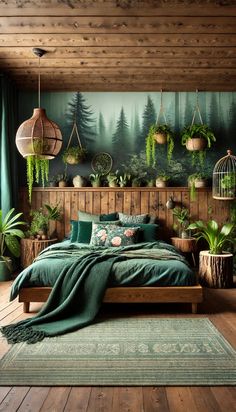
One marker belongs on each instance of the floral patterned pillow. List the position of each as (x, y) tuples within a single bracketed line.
[(100, 233), (121, 236)]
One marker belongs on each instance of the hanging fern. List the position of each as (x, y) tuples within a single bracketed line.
[(36, 168), (151, 143)]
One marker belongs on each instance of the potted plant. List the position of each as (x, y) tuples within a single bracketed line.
[(113, 179), (196, 181), (39, 227), (124, 179), (196, 138), (9, 234), (73, 155), (95, 179), (62, 179), (162, 179), (159, 134), (183, 216), (215, 265), (36, 169)]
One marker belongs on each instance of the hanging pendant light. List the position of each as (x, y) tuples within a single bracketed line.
[(39, 136)]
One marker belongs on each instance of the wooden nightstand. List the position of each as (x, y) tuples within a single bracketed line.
[(30, 248), (186, 246)]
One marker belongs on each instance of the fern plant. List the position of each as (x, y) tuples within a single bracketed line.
[(194, 131)]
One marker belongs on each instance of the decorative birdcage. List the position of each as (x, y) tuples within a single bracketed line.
[(224, 178)]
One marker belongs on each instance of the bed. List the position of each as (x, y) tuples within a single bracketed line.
[(152, 272)]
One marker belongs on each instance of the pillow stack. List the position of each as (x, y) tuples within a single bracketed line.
[(112, 229)]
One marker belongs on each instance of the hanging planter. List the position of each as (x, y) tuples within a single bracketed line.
[(197, 137), (159, 134), (73, 155), (37, 169)]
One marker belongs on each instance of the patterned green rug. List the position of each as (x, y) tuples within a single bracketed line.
[(126, 351)]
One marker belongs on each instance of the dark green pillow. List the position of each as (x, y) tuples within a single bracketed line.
[(74, 230), (88, 217), (108, 217), (147, 232)]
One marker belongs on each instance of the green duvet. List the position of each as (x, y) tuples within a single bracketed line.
[(80, 275)]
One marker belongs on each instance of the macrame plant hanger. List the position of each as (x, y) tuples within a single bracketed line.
[(74, 158), (196, 110), (161, 111)]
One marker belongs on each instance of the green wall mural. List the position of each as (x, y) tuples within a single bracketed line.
[(118, 123)]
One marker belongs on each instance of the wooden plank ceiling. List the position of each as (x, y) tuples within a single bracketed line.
[(120, 45)]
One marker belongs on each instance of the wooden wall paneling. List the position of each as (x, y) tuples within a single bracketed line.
[(89, 202), (144, 202), (79, 203), (97, 202), (127, 201), (135, 203), (60, 225), (119, 197), (105, 201), (111, 204), (67, 212)]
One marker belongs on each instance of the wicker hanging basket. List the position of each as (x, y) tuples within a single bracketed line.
[(196, 143)]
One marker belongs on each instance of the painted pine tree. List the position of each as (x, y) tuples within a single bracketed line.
[(83, 115), (101, 132), (149, 118), (121, 137)]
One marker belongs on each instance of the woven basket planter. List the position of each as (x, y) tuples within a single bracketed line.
[(196, 143), (160, 138)]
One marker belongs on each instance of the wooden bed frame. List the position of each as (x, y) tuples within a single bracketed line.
[(184, 294)]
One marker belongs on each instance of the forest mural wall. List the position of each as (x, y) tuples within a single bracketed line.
[(118, 123)]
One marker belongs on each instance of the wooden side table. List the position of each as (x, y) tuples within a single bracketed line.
[(188, 245), (30, 248)]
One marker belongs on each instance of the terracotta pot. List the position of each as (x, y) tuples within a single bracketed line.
[(161, 183), (62, 183), (71, 160), (160, 138), (197, 143)]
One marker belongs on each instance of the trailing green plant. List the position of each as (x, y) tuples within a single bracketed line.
[(194, 131), (192, 181), (37, 169), (151, 142), (217, 238), (9, 233), (77, 152)]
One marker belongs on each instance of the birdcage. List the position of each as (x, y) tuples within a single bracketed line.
[(224, 178)]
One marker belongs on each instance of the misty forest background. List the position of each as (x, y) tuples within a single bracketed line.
[(118, 123)]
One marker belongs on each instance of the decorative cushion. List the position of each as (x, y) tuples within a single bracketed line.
[(147, 232), (108, 217), (88, 217), (100, 233), (133, 218), (81, 231), (74, 230), (121, 236)]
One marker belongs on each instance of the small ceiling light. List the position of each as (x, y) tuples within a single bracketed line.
[(39, 136)]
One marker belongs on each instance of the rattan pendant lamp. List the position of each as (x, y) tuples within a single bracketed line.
[(38, 135), (38, 140)]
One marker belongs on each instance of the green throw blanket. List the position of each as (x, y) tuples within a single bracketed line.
[(77, 294)]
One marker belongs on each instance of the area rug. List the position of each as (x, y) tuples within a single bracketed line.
[(125, 351)]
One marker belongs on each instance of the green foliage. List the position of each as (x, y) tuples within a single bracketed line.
[(191, 181), (77, 152), (198, 130), (217, 238), (36, 168), (151, 143), (162, 175), (95, 179), (9, 233), (228, 181), (40, 218), (182, 215), (113, 177)]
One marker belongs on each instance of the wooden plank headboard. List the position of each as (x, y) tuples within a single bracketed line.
[(129, 200)]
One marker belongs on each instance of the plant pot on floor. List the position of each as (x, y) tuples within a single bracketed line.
[(216, 271), (5, 269)]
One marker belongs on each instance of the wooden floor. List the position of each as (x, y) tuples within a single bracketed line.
[(219, 306)]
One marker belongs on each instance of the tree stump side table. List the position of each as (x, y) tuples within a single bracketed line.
[(188, 245), (30, 248), (216, 271)]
